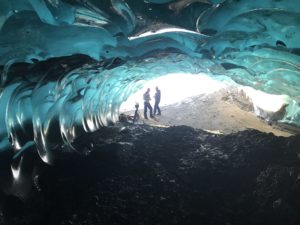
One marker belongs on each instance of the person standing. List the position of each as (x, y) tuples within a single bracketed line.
[(157, 101), (147, 104)]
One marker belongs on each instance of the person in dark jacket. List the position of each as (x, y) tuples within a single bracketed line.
[(147, 104), (157, 101)]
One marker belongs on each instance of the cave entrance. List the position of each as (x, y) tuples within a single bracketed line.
[(199, 101), (176, 88)]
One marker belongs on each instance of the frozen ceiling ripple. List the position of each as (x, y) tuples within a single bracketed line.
[(67, 65)]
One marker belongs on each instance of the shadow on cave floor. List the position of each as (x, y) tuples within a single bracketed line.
[(142, 174)]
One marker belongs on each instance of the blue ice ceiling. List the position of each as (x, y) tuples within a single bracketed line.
[(67, 65)]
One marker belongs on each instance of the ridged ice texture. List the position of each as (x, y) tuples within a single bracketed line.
[(255, 43), (53, 112)]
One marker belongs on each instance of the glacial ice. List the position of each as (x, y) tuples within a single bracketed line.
[(67, 65)]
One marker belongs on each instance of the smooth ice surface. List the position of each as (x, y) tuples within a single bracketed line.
[(101, 52)]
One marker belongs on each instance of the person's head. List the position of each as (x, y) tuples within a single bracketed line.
[(156, 88), (148, 90)]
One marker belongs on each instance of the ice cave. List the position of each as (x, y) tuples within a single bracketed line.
[(70, 67)]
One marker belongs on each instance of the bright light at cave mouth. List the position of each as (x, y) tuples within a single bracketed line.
[(175, 88)]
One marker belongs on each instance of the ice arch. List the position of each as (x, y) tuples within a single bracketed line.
[(67, 65)]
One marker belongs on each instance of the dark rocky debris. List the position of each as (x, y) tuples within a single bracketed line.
[(144, 175)]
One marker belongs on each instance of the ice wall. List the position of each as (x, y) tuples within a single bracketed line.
[(67, 65)]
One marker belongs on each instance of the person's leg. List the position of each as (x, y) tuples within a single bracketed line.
[(150, 107), (145, 110), (158, 109), (155, 107)]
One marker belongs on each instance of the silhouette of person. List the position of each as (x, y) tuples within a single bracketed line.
[(147, 104), (136, 113), (134, 118), (157, 101)]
